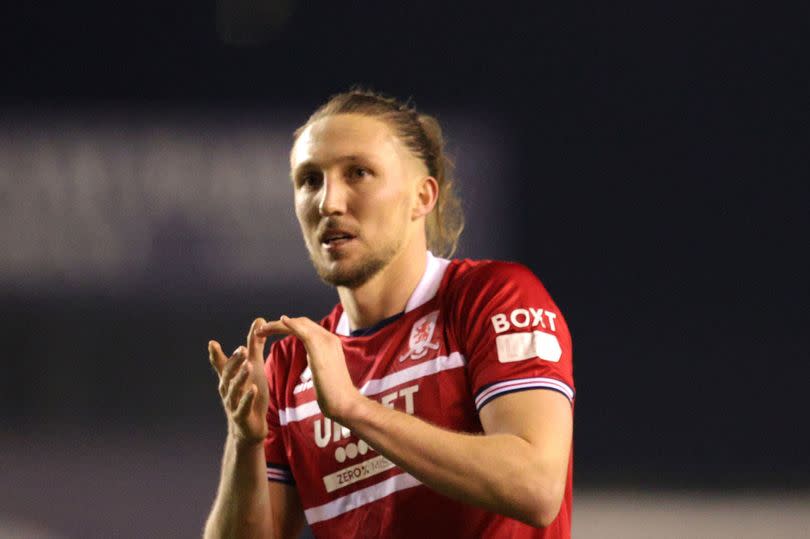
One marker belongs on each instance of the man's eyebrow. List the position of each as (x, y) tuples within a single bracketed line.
[(310, 164), (305, 165)]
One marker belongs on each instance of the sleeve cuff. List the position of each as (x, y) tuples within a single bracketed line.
[(277, 472), (496, 389)]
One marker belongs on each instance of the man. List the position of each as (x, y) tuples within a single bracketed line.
[(436, 400)]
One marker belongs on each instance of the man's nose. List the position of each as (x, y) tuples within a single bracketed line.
[(333, 197)]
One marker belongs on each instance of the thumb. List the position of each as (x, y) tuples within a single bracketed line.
[(255, 343)]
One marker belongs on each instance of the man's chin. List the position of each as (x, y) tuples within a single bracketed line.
[(346, 274)]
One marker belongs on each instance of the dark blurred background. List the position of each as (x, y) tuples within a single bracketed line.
[(648, 162)]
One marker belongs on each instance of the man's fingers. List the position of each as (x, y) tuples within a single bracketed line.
[(246, 402), (216, 357), (297, 327), (236, 385), (233, 363), (255, 341), (274, 327), (304, 328)]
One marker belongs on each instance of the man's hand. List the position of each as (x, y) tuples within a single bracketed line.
[(333, 386), (243, 386)]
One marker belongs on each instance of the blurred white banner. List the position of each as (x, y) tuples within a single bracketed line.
[(117, 199)]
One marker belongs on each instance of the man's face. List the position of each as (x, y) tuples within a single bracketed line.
[(355, 190)]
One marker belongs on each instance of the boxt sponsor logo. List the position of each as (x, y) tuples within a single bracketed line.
[(524, 318)]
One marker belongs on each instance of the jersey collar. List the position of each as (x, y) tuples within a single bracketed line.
[(424, 291)]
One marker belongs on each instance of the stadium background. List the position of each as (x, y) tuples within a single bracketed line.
[(648, 162)]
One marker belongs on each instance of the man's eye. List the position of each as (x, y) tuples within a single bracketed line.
[(360, 172), (309, 180)]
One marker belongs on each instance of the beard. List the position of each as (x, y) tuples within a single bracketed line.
[(357, 274)]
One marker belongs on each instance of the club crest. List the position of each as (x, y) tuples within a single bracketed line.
[(420, 341)]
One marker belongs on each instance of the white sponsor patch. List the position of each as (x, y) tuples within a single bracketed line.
[(353, 474), (521, 346)]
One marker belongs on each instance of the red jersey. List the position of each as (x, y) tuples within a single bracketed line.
[(471, 332)]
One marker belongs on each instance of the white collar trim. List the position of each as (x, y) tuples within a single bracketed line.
[(424, 291)]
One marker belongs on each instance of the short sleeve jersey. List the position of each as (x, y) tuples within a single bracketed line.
[(472, 331)]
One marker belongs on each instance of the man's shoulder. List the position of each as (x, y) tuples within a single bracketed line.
[(467, 275)]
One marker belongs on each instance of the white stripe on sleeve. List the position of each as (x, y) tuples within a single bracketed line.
[(522, 384)]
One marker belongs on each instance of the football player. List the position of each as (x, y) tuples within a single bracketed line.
[(435, 400)]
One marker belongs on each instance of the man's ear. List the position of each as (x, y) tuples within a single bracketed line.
[(427, 195)]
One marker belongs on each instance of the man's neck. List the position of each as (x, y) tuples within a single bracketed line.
[(387, 293)]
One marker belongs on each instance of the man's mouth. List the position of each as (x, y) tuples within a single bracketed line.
[(334, 238)]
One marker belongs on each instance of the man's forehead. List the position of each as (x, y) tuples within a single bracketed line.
[(341, 135)]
